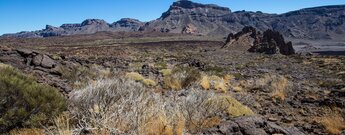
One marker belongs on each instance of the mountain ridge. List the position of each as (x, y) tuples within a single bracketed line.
[(187, 17)]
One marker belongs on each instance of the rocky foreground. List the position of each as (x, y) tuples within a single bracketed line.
[(287, 93)]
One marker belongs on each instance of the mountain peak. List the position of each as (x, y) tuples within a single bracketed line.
[(93, 22), (187, 4)]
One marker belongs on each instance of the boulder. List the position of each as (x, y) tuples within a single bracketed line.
[(44, 61), (24, 52)]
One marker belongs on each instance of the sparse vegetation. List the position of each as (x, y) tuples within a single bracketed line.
[(24, 102), (122, 106)]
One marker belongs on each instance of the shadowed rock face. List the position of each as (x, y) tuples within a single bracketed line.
[(312, 23), (270, 42)]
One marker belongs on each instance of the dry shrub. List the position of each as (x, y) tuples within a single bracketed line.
[(157, 126), (123, 106), (26, 131), (181, 78), (277, 85), (333, 124)]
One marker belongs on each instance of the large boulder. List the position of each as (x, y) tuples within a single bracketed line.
[(44, 61)]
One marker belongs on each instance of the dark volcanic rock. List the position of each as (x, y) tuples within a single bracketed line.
[(40, 65), (270, 42), (251, 126)]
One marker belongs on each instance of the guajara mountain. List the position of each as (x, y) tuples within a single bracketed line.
[(187, 17)]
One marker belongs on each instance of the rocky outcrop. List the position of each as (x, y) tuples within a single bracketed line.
[(270, 42), (242, 40), (189, 29), (42, 66), (312, 23)]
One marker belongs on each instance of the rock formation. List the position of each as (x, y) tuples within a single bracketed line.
[(311, 23), (270, 42), (42, 66)]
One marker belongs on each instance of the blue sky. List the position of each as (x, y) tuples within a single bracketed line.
[(28, 15)]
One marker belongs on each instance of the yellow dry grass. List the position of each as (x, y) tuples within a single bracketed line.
[(233, 107), (333, 124), (62, 124), (159, 126), (205, 83), (207, 123), (166, 72), (214, 82), (135, 76), (149, 82), (26, 131), (173, 83), (237, 89), (279, 86)]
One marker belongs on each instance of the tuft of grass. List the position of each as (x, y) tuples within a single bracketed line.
[(166, 72), (279, 86), (161, 65), (149, 82), (334, 125), (205, 83), (135, 76), (181, 78), (218, 83), (276, 85), (231, 106), (62, 124)]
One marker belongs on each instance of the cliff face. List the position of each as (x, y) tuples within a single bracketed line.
[(206, 19)]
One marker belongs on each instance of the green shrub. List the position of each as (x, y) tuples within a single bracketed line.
[(24, 102)]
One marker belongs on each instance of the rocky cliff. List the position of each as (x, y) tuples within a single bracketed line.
[(207, 19)]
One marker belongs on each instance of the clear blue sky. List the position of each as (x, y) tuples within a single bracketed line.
[(28, 15)]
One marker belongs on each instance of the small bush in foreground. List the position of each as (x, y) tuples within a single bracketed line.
[(24, 102)]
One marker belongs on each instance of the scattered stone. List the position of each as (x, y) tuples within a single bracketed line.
[(272, 119)]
